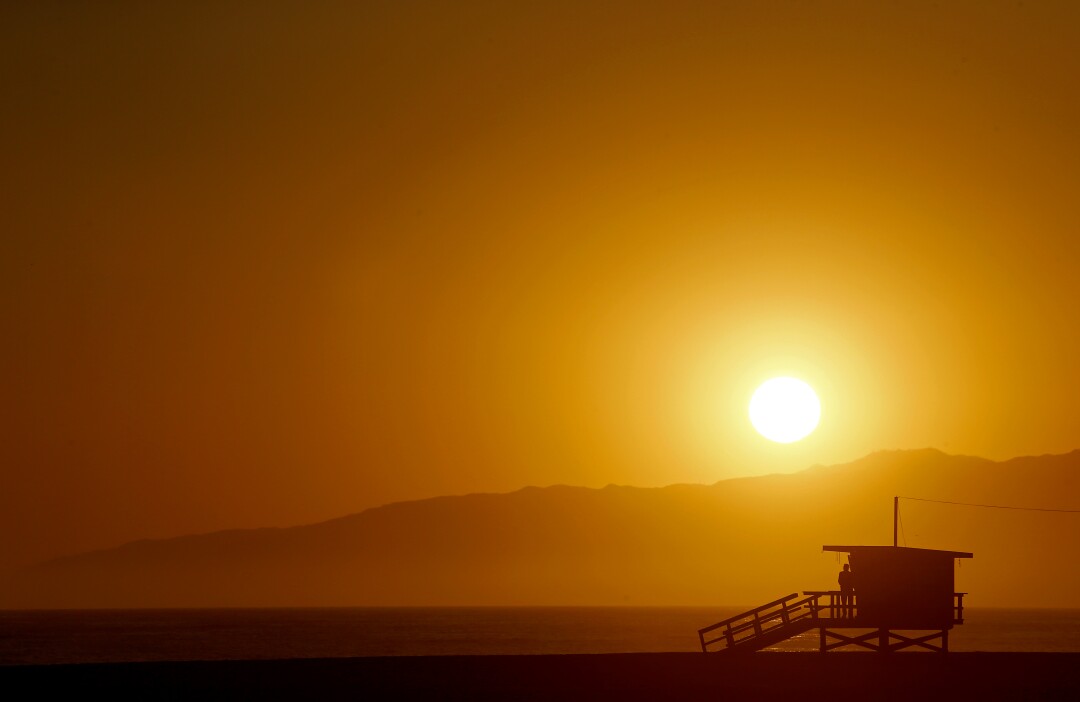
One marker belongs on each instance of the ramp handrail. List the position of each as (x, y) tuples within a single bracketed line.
[(760, 620)]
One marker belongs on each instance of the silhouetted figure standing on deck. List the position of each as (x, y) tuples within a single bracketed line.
[(847, 590)]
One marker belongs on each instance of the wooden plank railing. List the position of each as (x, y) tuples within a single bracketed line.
[(835, 607), (760, 620)]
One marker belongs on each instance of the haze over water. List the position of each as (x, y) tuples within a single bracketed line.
[(47, 637)]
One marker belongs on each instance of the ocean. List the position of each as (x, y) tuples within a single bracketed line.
[(93, 636)]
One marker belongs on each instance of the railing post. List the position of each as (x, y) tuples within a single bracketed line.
[(784, 614), (757, 623), (729, 637)]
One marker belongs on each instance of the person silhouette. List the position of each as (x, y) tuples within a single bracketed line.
[(847, 589)]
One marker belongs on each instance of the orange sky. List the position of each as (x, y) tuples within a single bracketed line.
[(271, 264)]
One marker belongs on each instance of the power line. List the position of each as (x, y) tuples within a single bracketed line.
[(973, 504)]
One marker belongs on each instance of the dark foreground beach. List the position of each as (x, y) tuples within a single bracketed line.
[(761, 676)]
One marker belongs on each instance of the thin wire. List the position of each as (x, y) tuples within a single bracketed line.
[(972, 504)]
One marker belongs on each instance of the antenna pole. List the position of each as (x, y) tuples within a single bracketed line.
[(895, 513)]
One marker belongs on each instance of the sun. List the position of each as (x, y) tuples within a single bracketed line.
[(785, 410)]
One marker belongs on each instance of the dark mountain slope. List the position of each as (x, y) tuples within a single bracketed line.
[(738, 541)]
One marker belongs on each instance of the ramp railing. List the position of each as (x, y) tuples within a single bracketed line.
[(772, 618)]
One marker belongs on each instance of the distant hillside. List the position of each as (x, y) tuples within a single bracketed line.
[(739, 541)]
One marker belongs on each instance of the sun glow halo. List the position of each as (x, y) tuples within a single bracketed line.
[(785, 410)]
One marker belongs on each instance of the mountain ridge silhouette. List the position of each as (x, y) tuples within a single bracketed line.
[(737, 541)]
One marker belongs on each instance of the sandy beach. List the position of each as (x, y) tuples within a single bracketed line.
[(768, 676)]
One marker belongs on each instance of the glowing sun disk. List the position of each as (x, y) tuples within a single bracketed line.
[(785, 410)]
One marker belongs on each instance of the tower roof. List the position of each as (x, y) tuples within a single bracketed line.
[(882, 549)]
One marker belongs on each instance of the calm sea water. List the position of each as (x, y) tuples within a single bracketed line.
[(41, 637)]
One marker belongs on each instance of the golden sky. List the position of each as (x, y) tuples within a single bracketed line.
[(270, 263)]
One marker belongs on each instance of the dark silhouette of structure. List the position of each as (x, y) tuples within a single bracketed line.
[(896, 589)]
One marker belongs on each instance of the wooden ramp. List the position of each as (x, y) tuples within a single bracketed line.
[(762, 626)]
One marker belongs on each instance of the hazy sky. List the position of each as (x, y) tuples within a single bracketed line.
[(269, 263)]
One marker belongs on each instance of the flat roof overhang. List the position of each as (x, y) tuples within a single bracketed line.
[(856, 549)]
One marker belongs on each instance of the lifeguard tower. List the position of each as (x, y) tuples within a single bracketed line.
[(897, 589)]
